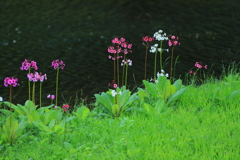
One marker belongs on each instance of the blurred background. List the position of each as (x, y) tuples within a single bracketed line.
[(80, 31)]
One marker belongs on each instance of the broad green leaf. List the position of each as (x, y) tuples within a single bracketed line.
[(41, 126), (235, 95), (159, 106), (82, 113), (115, 110), (52, 123), (178, 84), (177, 95), (151, 88), (148, 108), (104, 99)]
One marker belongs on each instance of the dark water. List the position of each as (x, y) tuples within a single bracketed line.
[(79, 33)]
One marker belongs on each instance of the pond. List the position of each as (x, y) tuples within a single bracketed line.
[(79, 33)]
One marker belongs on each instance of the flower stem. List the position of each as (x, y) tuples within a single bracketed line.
[(145, 72), (171, 69), (10, 98), (57, 86), (117, 70), (114, 68), (29, 87), (160, 56), (155, 65), (40, 96), (123, 74), (33, 93), (126, 75)]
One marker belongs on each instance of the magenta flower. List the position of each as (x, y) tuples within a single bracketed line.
[(147, 39), (119, 45), (173, 41), (52, 97), (36, 77), (57, 64), (200, 66), (28, 64), (11, 81), (65, 107)]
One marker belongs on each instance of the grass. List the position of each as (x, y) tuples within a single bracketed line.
[(202, 124)]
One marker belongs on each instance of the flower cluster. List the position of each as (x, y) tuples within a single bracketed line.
[(119, 45), (154, 49), (65, 107), (57, 64), (126, 62), (52, 97), (160, 36), (146, 40), (11, 81), (200, 66), (160, 74), (27, 64), (36, 77), (113, 84), (114, 93), (173, 41)]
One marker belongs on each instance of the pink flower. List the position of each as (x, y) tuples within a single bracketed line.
[(65, 107), (145, 39), (119, 46), (57, 64), (27, 64), (150, 39), (115, 85), (11, 81), (174, 41), (52, 97), (36, 77)]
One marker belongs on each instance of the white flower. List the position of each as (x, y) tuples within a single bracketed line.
[(160, 49), (153, 49), (1, 99), (114, 93)]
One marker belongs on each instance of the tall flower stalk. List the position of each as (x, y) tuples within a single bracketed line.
[(126, 63), (12, 82), (27, 64), (57, 64), (118, 45), (159, 36), (172, 42), (34, 77), (146, 41)]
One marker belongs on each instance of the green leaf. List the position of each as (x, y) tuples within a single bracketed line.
[(151, 88), (235, 95), (105, 99), (52, 123), (177, 95), (41, 126), (178, 84), (160, 105), (115, 110), (82, 113)]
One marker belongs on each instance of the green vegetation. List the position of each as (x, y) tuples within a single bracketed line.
[(202, 124)]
